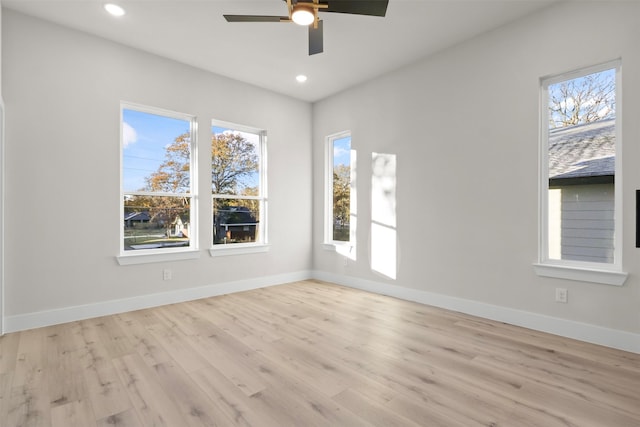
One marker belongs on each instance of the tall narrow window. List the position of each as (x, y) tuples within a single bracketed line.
[(340, 191), (157, 180), (238, 165), (580, 177)]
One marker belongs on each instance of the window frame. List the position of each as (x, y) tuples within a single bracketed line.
[(141, 256), (604, 273), (345, 247), (262, 243)]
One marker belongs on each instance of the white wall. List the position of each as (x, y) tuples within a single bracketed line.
[(62, 91), (1, 186), (464, 127)]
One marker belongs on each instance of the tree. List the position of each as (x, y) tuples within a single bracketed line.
[(232, 158), (582, 100), (341, 195), (172, 176)]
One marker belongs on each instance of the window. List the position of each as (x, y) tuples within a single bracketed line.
[(158, 188), (238, 166), (580, 172), (340, 206)]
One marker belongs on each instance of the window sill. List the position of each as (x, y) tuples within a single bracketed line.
[(593, 275), (328, 246), (338, 247), (346, 249), (238, 249), (146, 258)]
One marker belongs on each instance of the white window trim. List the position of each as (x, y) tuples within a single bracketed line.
[(345, 248), (581, 273), (239, 249), (603, 273), (262, 245), (146, 257), (166, 254), (2, 204)]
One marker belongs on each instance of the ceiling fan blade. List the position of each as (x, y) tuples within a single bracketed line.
[(315, 39), (254, 18), (357, 7)]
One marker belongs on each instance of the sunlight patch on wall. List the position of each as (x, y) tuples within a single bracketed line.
[(383, 215)]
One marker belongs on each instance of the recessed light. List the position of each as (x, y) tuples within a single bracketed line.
[(114, 9), (301, 78)]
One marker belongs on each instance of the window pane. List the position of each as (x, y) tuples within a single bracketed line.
[(582, 133), (235, 221), (235, 162), (156, 152), (341, 188), (154, 222)]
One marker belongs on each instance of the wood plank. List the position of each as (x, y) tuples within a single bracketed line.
[(178, 345), (29, 395), (28, 407), (112, 337), (8, 352), (235, 365), (154, 406), (137, 327), (238, 408), (31, 361), (76, 413), (194, 406), (65, 379), (5, 394), (375, 412), (128, 418), (104, 389)]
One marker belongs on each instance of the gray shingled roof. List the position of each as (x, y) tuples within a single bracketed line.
[(137, 216), (583, 150)]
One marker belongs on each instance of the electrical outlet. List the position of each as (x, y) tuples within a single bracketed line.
[(562, 295), (166, 274)]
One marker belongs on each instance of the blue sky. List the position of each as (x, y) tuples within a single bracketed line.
[(342, 151), (145, 137)]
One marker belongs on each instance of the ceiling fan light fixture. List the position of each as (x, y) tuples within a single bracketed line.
[(303, 15)]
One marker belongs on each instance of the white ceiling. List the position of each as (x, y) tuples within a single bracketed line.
[(270, 55)]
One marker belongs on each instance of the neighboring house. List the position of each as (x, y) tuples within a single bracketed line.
[(133, 218), (581, 192), (235, 224), (181, 227)]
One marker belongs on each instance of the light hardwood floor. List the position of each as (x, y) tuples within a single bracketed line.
[(309, 354)]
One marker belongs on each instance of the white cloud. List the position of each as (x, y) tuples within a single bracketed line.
[(339, 151), (604, 111), (129, 134)]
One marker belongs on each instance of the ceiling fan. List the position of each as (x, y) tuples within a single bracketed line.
[(306, 13)]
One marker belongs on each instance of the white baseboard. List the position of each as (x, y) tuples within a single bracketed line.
[(581, 331), (70, 314), (614, 338)]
